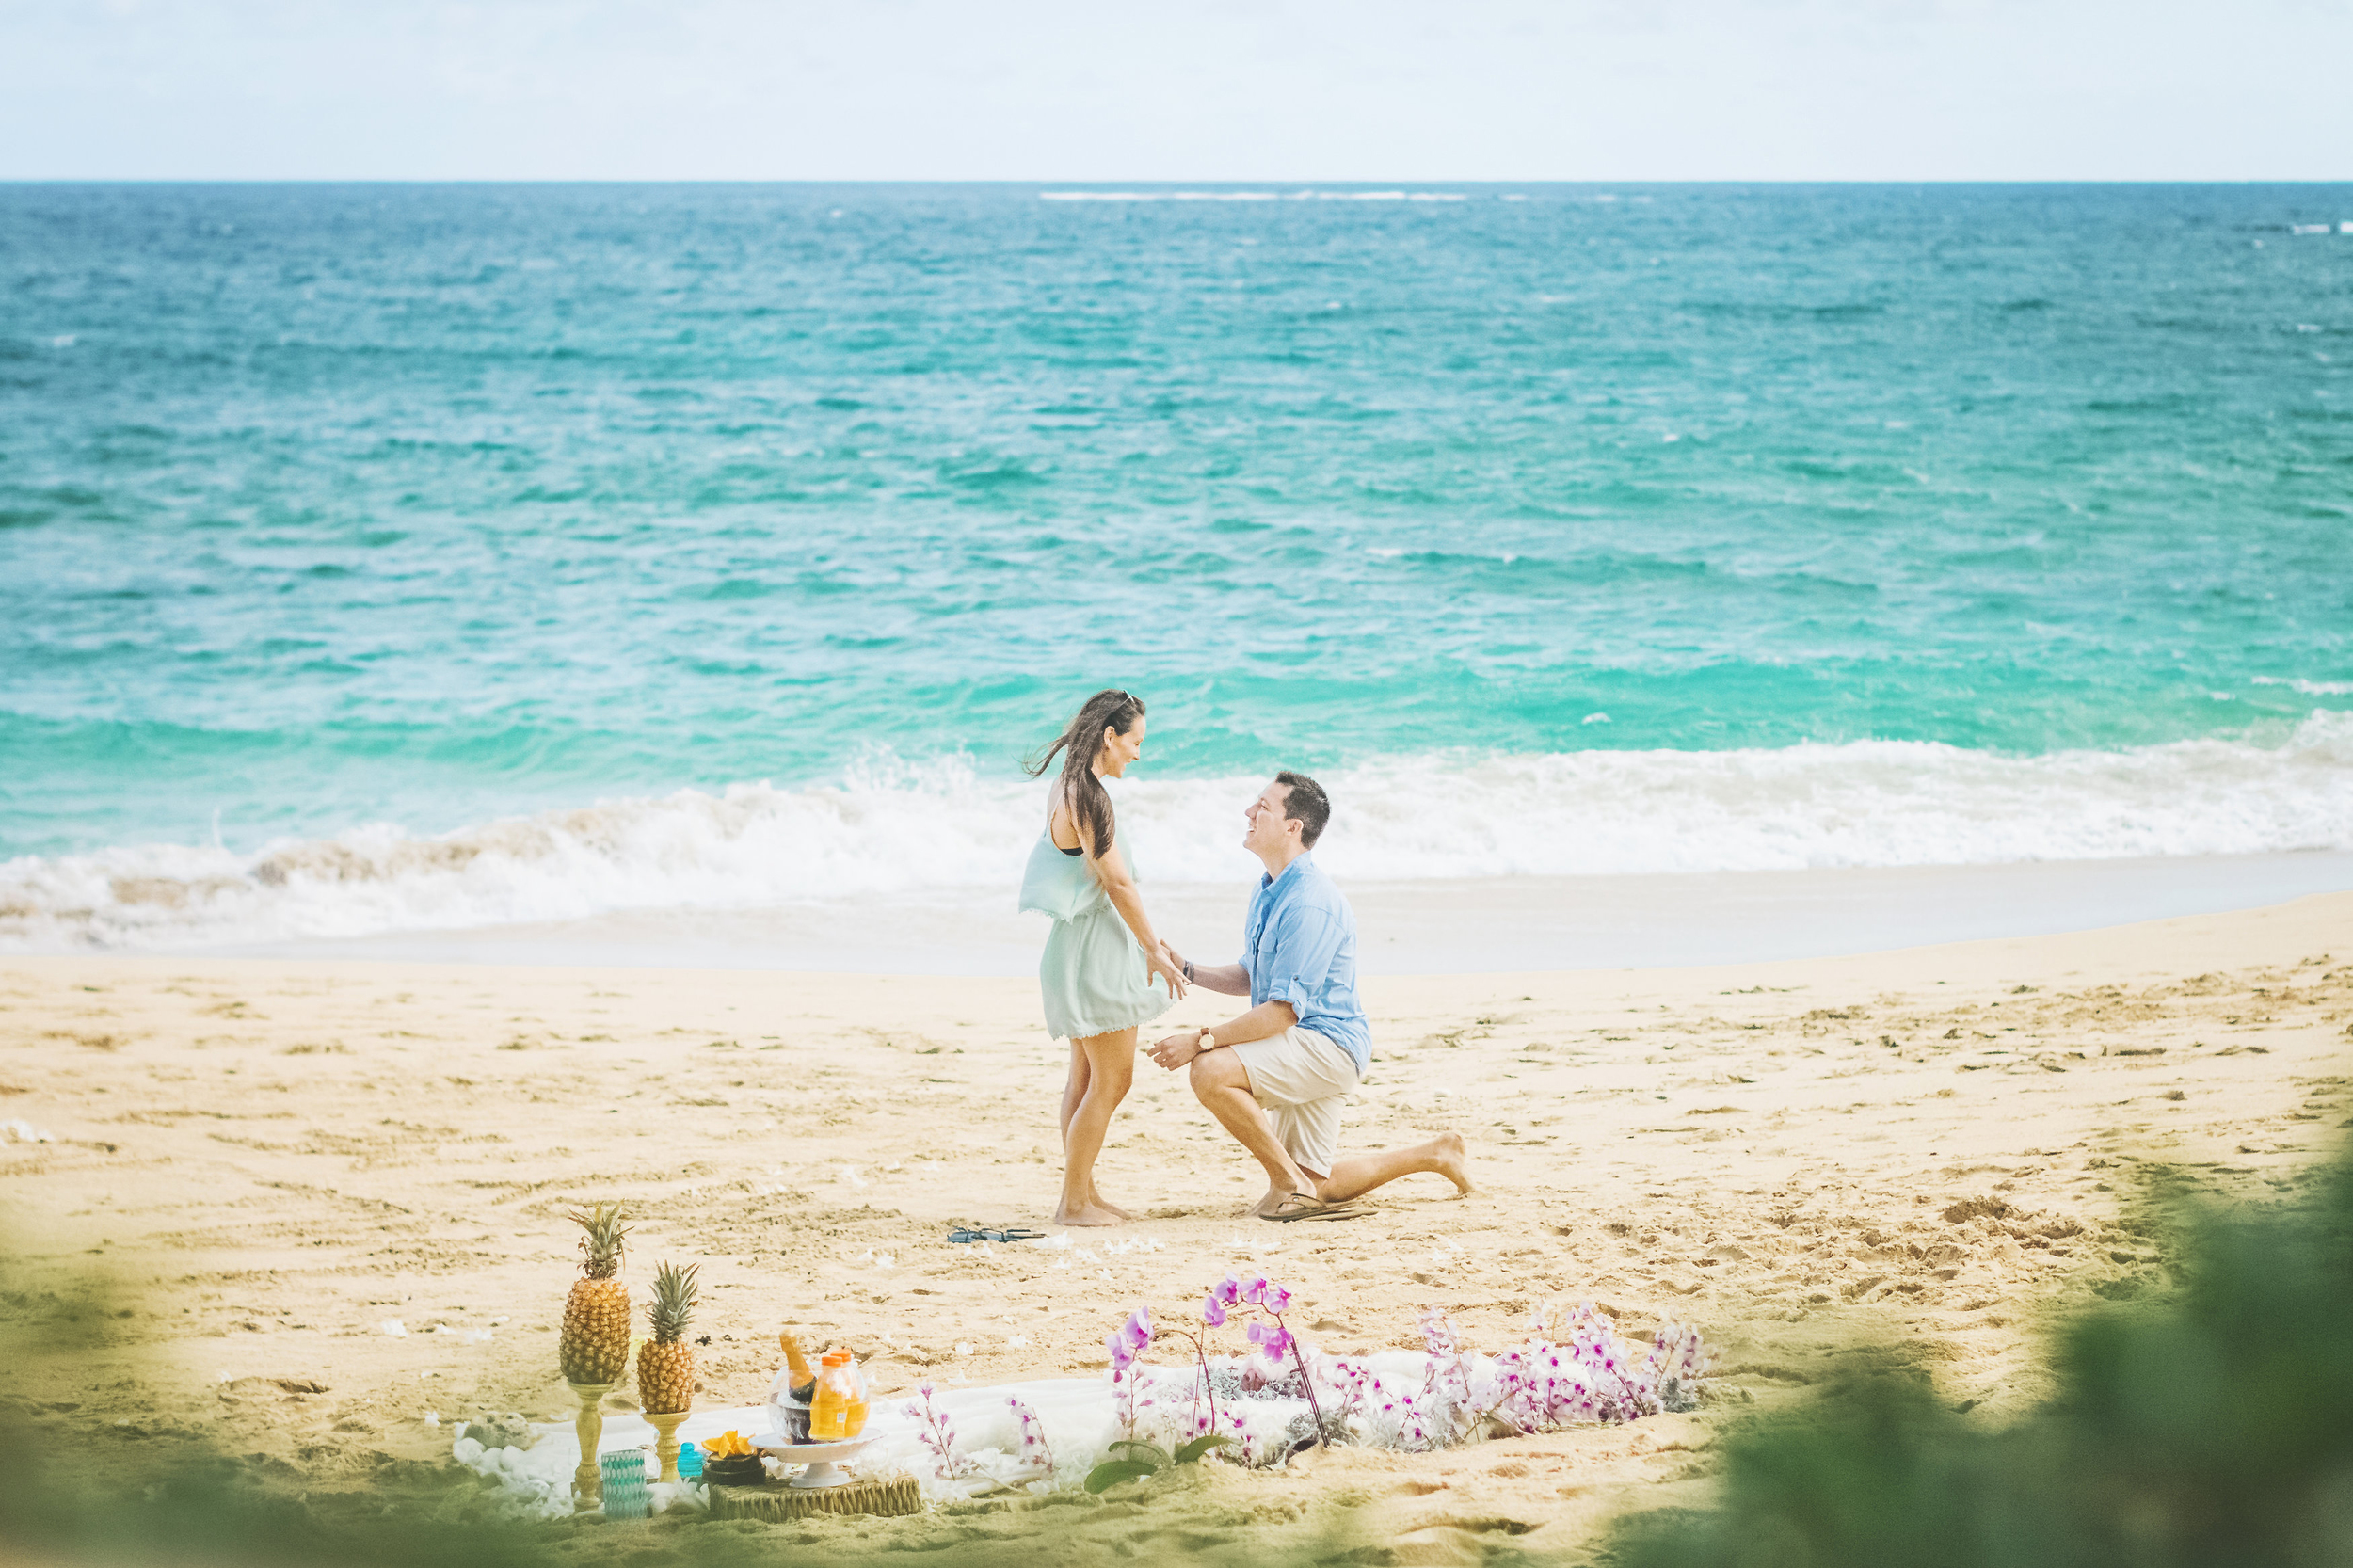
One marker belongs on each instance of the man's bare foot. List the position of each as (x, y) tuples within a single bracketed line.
[(1453, 1160), (1087, 1214), (1111, 1208)]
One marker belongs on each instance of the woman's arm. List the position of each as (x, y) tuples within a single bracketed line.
[(1110, 870)]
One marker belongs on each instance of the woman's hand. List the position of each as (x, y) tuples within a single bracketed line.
[(1169, 968)]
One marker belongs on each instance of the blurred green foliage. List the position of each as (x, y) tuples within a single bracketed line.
[(2210, 1425)]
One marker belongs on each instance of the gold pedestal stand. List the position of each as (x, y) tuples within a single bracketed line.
[(588, 1481), (665, 1449)]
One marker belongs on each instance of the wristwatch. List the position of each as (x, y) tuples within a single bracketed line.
[(1208, 1040)]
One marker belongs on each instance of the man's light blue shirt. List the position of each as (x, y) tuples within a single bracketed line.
[(1299, 944)]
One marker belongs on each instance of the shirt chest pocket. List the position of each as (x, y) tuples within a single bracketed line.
[(1261, 964)]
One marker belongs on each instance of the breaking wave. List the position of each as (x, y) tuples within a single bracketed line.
[(938, 827)]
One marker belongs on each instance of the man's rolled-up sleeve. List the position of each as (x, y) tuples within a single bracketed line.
[(1305, 944)]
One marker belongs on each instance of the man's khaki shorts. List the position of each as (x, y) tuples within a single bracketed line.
[(1301, 1080)]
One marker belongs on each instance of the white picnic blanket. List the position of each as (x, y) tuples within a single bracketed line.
[(957, 1442)]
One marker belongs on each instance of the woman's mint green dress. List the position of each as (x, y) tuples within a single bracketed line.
[(1093, 975)]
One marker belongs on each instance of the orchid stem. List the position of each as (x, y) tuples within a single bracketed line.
[(1201, 1355), (1307, 1380)]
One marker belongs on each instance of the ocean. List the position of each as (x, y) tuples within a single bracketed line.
[(384, 558)]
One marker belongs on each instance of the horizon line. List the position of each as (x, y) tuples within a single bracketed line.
[(1118, 182)]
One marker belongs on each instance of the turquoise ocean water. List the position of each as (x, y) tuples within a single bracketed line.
[(383, 556)]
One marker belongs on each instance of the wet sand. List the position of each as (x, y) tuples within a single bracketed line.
[(1472, 926)]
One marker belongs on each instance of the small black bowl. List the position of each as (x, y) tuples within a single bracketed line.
[(735, 1470)]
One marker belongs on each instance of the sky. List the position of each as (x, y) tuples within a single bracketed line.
[(1177, 90)]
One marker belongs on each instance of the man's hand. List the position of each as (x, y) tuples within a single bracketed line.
[(1178, 1049)]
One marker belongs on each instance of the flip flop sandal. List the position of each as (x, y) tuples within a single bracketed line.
[(1301, 1206)]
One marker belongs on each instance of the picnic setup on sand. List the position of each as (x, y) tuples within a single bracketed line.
[(822, 1443)]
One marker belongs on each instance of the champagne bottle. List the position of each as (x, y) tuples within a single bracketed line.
[(804, 1377)]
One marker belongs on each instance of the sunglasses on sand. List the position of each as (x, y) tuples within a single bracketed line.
[(1013, 1234)]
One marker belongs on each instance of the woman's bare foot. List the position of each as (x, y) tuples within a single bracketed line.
[(1087, 1214), (1088, 1199)]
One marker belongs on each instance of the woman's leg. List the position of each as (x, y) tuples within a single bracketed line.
[(1110, 1069), (1074, 1095), (1074, 1090)]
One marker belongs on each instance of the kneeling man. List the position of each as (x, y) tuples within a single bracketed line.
[(1298, 1051)]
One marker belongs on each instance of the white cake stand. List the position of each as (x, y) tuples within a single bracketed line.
[(822, 1459)]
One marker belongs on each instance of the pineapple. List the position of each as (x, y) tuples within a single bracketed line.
[(665, 1363), (596, 1314)]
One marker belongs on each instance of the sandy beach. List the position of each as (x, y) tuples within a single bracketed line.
[(1916, 1153)]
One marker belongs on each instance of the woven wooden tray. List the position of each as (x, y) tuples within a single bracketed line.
[(776, 1500)]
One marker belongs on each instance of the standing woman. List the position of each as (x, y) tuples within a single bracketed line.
[(1104, 971)]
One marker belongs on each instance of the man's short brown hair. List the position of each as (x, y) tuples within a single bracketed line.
[(1306, 804)]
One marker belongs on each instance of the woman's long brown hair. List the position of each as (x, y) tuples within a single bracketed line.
[(1109, 708)]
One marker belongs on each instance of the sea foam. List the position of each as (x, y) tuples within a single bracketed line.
[(938, 828), (1255, 196)]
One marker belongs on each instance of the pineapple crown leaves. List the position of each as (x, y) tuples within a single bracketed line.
[(673, 1304), (603, 1241)]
